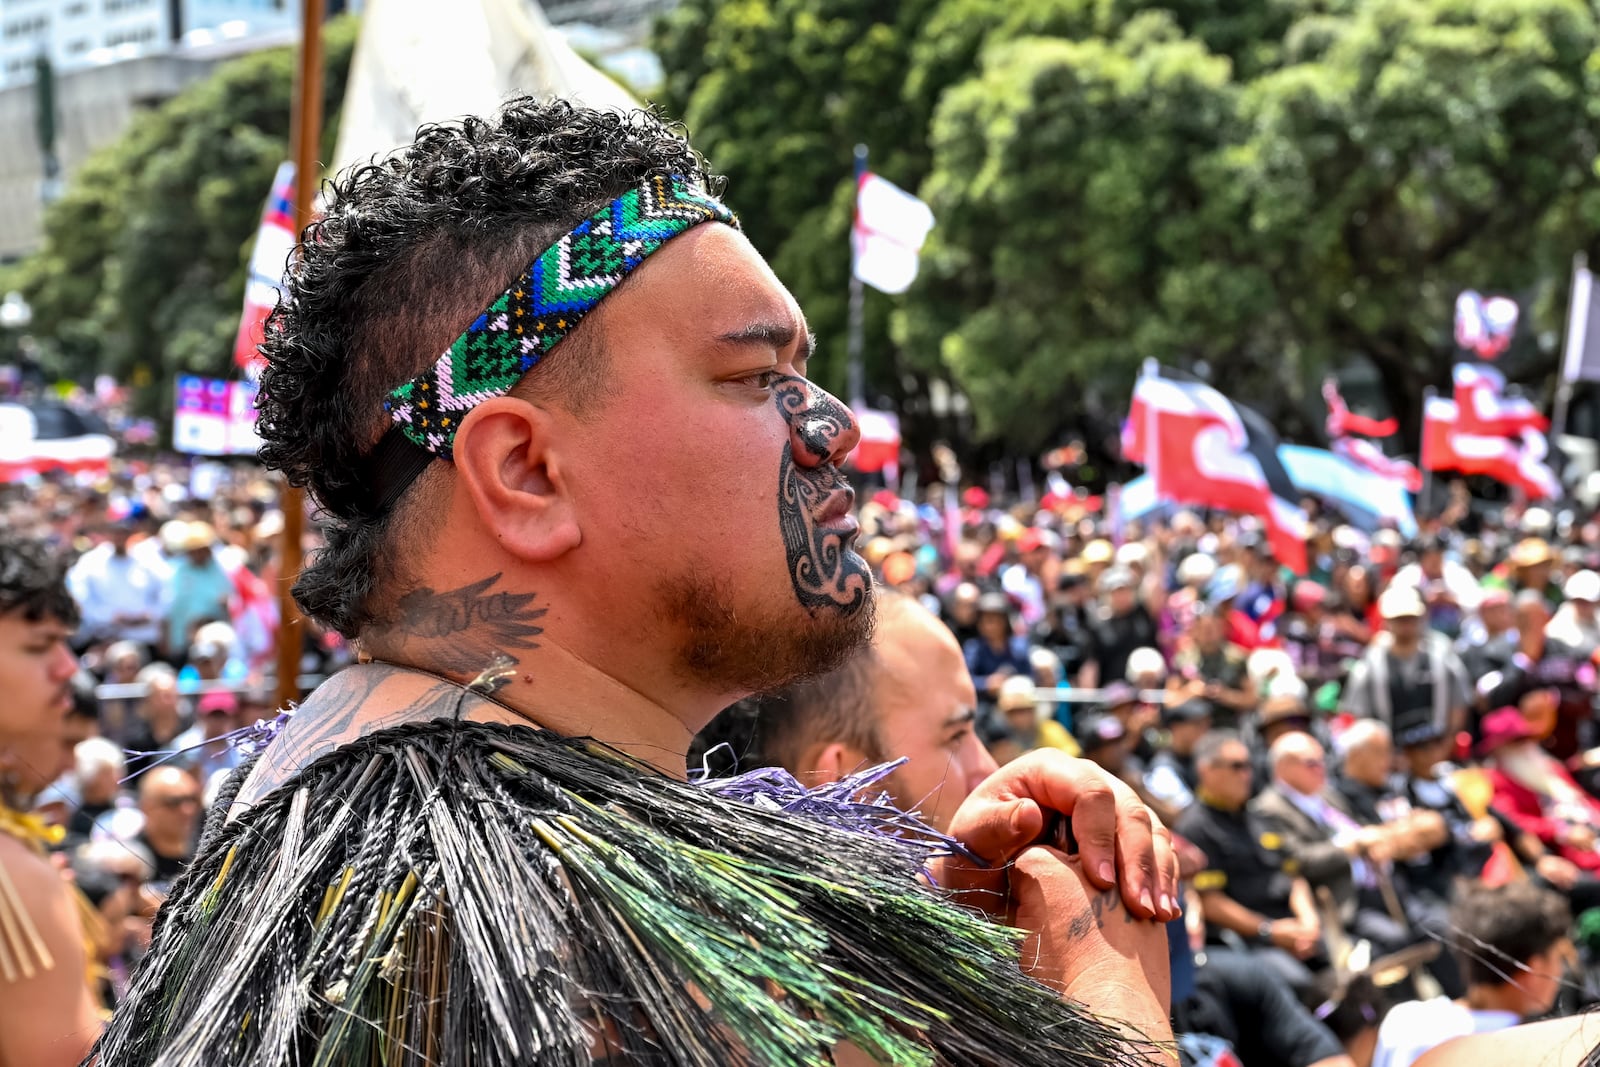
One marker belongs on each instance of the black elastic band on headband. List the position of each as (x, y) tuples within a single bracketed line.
[(392, 466)]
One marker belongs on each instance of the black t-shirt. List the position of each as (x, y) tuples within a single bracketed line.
[(1435, 873), (141, 740), (167, 867), (1244, 861), (82, 821), (1482, 654), (1227, 666), (1563, 668), (1114, 638), (1240, 1001)]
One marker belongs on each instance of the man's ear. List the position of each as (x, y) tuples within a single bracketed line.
[(831, 762), (508, 464)]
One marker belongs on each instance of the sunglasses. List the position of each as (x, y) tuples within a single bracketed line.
[(1234, 764), (178, 802), (1314, 764)]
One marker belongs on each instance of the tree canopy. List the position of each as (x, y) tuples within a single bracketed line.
[(142, 269), (1268, 189)]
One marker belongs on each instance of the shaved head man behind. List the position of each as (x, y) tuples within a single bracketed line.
[(907, 694)]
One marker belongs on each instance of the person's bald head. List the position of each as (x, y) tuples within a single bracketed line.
[(1298, 761), (169, 797), (925, 709), (907, 694), (162, 782)]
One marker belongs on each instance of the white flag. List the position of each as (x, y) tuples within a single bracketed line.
[(423, 61), (1582, 359), (890, 227)]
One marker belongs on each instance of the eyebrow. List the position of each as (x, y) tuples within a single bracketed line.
[(961, 718), (778, 335)]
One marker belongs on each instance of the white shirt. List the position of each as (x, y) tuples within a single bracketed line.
[(1028, 590), (1412, 1028), (107, 585)]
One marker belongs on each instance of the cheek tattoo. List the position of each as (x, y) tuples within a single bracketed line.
[(825, 572)]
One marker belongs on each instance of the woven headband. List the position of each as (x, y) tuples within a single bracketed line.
[(544, 304)]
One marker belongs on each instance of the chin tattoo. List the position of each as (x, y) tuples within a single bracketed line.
[(825, 570)]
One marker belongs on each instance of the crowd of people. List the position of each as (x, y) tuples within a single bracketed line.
[(1382, 774), (172, 568), (1368, 767)]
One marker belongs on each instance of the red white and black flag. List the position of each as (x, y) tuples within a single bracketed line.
[(1348, 433), (1512, 460), (1485, 410), (1342, 422), (1204, 450)]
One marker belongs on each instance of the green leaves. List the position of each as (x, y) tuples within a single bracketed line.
[(143, 265), (1273, 187)]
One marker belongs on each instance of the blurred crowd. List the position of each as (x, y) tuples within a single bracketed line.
[(1359, 763), (1367, 767), (173, 568)]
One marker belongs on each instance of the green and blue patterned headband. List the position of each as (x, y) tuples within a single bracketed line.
[(544, 304)]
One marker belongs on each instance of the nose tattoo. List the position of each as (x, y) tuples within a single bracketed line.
[(826, 574)]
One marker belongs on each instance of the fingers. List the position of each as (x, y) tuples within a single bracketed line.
[(1095, 824), (995, 830), (1146, 858), (1166, 865), (1114, 830)]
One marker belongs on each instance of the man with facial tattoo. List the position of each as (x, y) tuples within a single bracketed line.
[(581, 496)]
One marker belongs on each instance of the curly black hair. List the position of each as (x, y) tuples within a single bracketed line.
[(33, 582), (410, 250)]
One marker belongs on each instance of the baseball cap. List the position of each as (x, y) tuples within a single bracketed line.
[(1016, 694), (1401, 601), (993, 603), (1192, 710), (1224, 585), (1116, 578), (1098, 731), (1584, 585), (217, 702), (1116, 694), (1098, 551)]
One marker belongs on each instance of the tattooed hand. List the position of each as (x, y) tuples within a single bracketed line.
[(814, 502), (1085, 943)]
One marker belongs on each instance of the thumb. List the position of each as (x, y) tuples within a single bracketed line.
[(993, 831)]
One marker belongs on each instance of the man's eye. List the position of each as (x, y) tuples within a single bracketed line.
[(761, 379)]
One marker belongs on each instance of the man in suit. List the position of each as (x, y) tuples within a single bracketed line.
[(1333, 850)]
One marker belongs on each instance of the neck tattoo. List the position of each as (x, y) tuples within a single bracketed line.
[(461, 630)]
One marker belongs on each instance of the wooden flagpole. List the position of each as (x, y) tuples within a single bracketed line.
[(305, 130)]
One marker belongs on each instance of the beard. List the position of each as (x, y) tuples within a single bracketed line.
[(752, 649)]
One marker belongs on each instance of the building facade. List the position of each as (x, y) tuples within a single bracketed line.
[(76, 34)]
